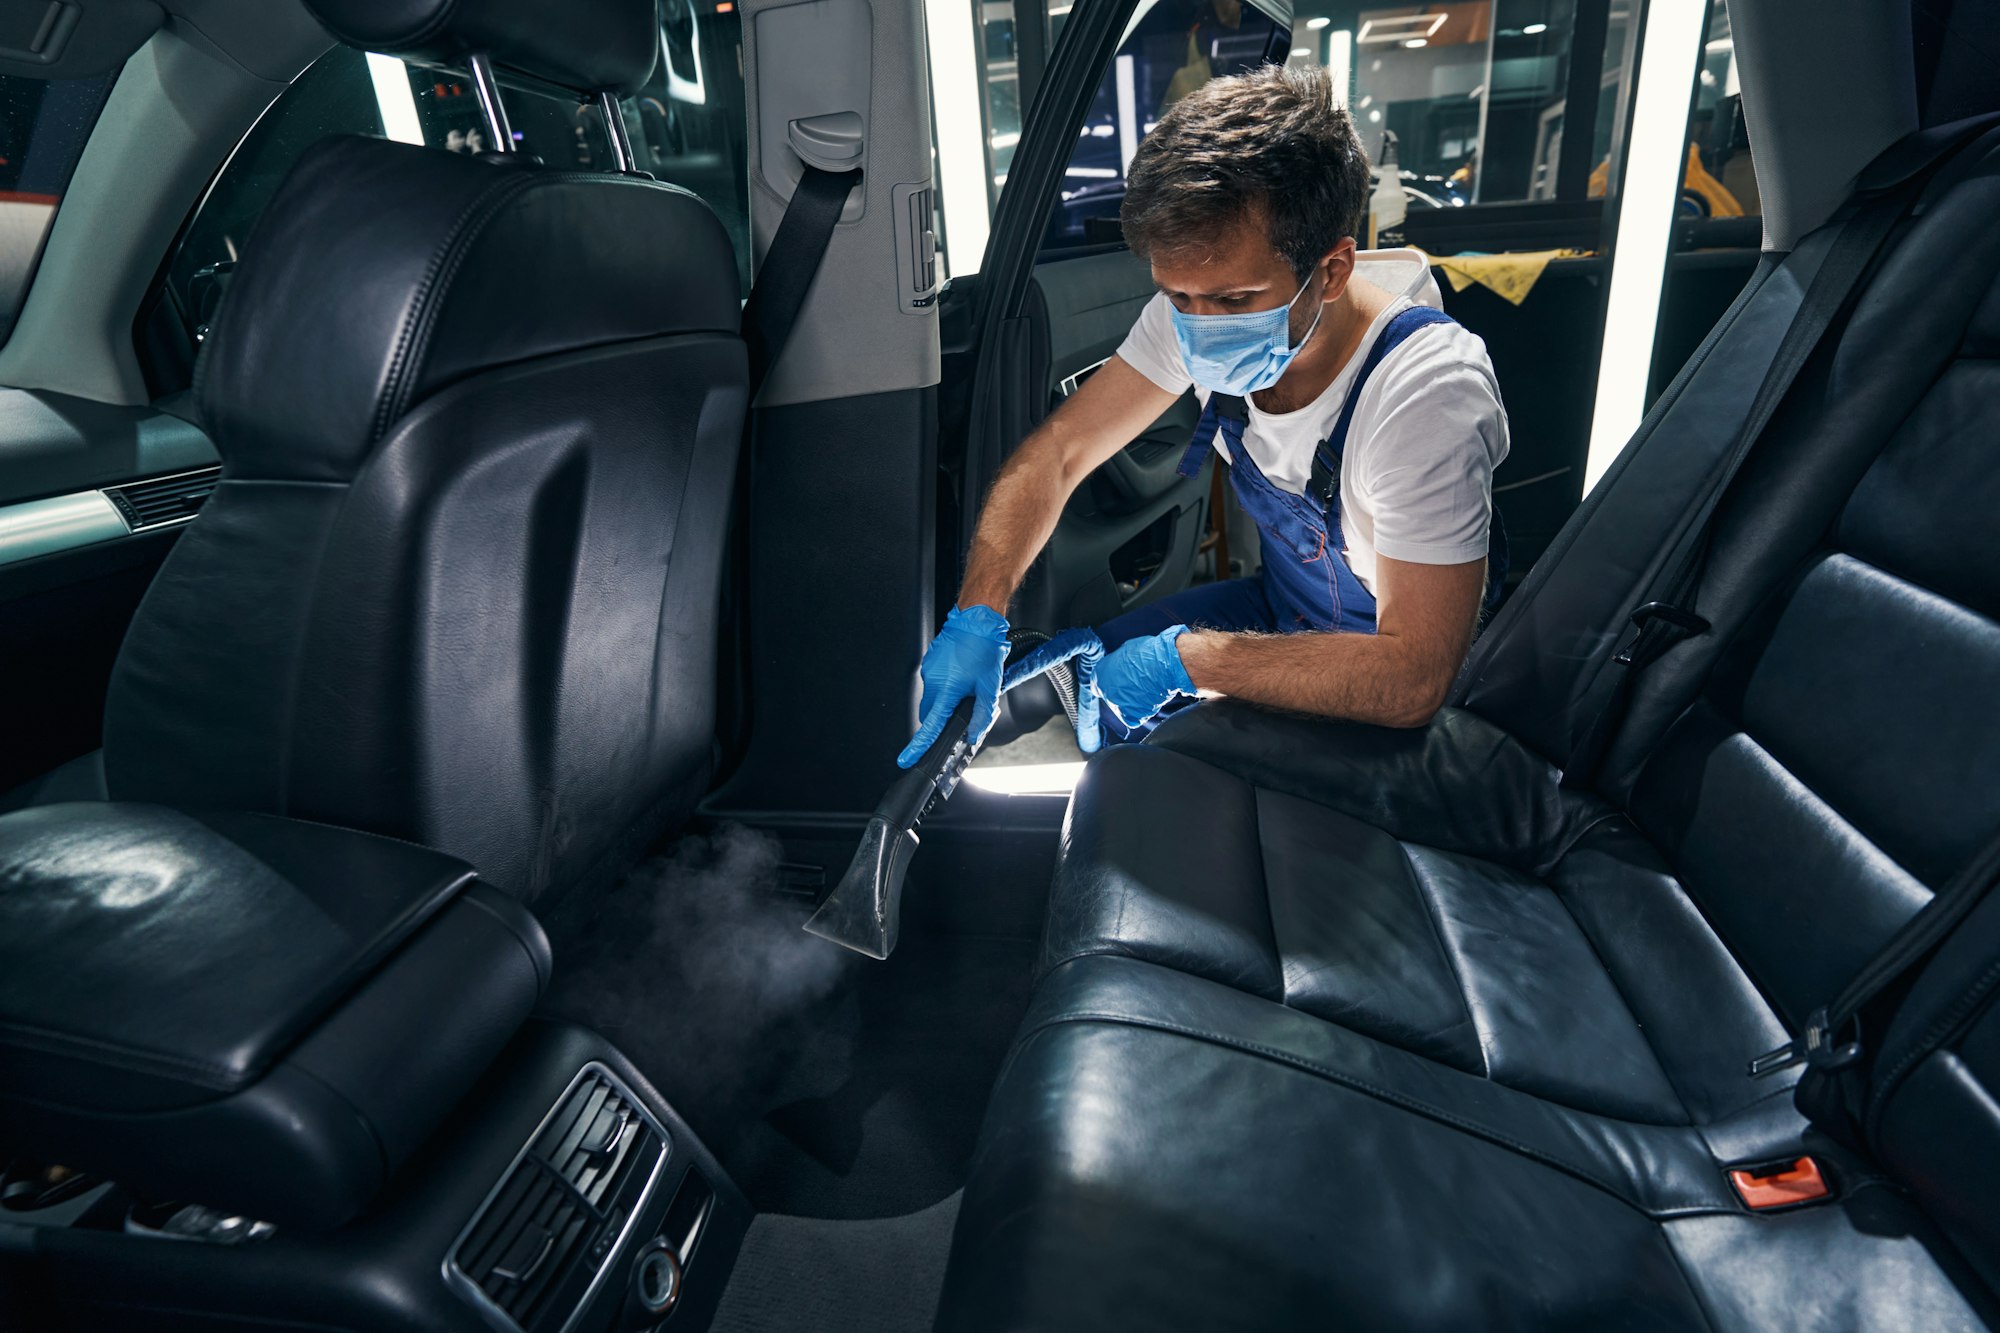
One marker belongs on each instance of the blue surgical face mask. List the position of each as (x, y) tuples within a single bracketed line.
[(1241, 354)]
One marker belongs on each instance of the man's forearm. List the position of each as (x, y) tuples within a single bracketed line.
[(1362, 677), (1020, 512)]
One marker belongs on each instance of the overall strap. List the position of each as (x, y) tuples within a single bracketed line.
[(1225, 412), (1325, 483)]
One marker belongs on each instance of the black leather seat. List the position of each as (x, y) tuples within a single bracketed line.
[(1387, 1029), (479, 422)]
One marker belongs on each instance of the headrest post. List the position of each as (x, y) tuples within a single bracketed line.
[(490, 107), (614, 129)]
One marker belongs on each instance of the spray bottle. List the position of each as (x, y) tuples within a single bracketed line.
[(1387, 204)]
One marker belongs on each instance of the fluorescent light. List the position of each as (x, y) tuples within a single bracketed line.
[(1027, 779), (1416, 42), (961, 135), (1128, 115), (394, 99), (1340, 63), (1093, 173), (1535, 29), (1007, 140), (1305, 51), (1398, 27), (1649, 189), (1318, 23)]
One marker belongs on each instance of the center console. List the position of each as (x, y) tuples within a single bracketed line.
[(286, 1076)]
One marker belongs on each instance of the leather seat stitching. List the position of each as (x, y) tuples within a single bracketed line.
[(1416, 883), (1402, 1101), (446, 261), (217, 1076), (1610, 977), (1263, 882)]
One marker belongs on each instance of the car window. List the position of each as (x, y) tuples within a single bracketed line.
[(1721, 179), (1482, 102), (687, 126), (43, 126), (1173, 48)]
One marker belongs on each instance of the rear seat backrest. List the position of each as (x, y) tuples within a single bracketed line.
[(1826, 777), (1837, 762)]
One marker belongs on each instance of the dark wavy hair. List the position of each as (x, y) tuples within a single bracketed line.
[(1269, 142)]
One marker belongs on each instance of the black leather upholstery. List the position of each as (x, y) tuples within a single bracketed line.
[(1392, 1029), (249, 1012), (591, 45), (459, 580)]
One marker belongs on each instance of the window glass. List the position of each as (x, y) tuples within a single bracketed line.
[(1000, 61), (1173, 48), (686, 126), (1721, 180), (1474, 97), (43, 126)]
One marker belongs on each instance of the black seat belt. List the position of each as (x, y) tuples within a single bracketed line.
[(1820, 1045), (790, 263), (1669, 617)]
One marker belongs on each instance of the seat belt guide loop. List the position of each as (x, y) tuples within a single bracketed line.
[(1662, 624)]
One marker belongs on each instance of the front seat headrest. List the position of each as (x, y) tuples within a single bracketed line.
[(382, 273), (586, 45)]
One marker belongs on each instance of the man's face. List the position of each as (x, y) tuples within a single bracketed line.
[(1241, 273)]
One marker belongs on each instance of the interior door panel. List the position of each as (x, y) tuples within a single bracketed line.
[(1132, 533), (92, 497)]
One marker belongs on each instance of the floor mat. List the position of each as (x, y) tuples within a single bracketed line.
[(830, 1085), (807, 1273)]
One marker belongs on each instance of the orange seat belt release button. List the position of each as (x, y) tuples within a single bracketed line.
[(1781, 1186)]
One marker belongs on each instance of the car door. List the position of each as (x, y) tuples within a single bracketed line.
[(1511, 123), (1136, 530), (92, 494)]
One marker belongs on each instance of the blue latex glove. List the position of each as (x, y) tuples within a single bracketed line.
[(1083, 650), (1143, 676), (965, 659)]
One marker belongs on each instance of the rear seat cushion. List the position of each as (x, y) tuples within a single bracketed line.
[(1167, 1152), (1221, 851)]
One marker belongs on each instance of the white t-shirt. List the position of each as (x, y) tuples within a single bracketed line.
[(1416, 480)]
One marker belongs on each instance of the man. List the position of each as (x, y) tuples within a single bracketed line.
[(1360, 425)]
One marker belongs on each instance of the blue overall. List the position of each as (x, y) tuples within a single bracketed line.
[(1305, 582)]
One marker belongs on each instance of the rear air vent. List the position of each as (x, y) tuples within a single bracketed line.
[(163, 500), (538, 1251)]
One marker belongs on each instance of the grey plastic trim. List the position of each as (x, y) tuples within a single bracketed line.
[(832, 142), (175, 111), (60, 523), (847, 83), (455, 1278)]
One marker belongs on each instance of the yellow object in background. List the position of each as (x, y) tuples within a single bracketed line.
[(1511, 276), (1698, 181), (1721, 203)]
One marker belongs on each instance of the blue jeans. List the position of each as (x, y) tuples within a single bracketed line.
[(1237, 604)]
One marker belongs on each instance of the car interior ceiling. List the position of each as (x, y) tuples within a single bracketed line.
[(448, 664)]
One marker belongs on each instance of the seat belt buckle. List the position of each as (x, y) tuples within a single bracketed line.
[(1780, 1184), (1676, 624), (1817, 1046)]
